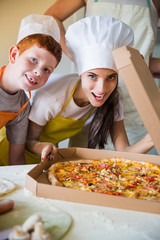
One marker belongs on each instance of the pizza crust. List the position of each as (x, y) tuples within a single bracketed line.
[(51, 172), (53, 179), (6, 186), (114, 176)]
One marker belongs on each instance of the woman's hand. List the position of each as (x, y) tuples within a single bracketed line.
[(143, 146), (48, 151), (43, 149), (121, 143), (154, 65)]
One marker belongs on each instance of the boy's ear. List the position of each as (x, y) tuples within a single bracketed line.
[(13, 53)]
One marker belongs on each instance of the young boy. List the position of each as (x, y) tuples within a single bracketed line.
[(31, 61)]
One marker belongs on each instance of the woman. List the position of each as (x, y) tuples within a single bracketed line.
[(142, 16), (60, 110)]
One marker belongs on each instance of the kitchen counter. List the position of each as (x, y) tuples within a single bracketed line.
[(88, 221)]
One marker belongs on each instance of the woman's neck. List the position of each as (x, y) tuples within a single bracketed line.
[(79, 96)]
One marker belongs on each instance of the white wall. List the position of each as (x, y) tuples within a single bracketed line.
[(11, 14)]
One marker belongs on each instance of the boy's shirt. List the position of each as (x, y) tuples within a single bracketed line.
[(16, 130)]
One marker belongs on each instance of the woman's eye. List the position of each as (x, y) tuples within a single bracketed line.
[(34, 60), (111, 77), (47, 70), (91, 76)]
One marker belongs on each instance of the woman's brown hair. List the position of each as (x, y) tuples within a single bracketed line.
[(103, 120)]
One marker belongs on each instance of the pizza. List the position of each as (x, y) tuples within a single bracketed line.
[(114, 176)]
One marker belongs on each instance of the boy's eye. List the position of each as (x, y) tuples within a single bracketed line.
[(47, 70), (34, 60)]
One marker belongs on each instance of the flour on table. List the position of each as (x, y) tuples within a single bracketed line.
[(6, 186)]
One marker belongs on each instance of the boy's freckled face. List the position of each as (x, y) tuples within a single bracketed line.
[(33, 68)]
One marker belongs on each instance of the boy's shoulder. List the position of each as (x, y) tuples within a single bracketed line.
[(13, 102)]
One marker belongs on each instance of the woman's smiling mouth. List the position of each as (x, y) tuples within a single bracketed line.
[(98, 97)]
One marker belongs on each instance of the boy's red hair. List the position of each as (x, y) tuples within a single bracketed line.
[(42, 41)]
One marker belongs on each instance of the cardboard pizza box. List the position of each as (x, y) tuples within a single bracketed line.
[(37, 181), (141, 87)]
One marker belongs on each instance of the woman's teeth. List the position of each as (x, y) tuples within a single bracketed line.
[(99, 96)]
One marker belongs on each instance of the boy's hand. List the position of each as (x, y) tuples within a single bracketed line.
[(48, 151)]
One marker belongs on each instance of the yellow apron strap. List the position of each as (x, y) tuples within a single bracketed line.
[(69, 98)]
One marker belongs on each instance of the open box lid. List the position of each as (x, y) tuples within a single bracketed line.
[(141, 87)]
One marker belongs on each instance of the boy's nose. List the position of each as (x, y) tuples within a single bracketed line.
[(37, 72)]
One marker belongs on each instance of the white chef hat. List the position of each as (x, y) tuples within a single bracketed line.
[(36, 23), (91, 41)]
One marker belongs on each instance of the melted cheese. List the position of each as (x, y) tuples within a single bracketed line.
[(115, 176)]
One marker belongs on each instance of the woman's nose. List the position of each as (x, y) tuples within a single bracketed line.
[(101, 86)]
